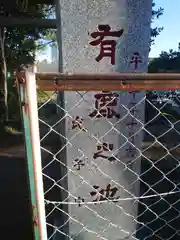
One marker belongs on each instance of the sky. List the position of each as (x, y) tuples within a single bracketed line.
[(170, 20), (168, 38)]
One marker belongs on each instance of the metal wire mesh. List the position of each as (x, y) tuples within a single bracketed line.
[(139, 197)]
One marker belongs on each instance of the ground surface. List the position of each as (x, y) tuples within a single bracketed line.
[(15, 218), (15, 214)]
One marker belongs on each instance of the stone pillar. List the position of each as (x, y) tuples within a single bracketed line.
[(104, 36)]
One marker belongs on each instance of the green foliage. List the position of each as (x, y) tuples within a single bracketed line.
[(20, 44), (166, 62), (156, 13)]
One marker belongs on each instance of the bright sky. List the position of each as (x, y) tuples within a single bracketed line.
[(169, 37), (170, 20)]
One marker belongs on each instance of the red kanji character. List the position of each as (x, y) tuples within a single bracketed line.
[(131, 124), (131, 151), (136, 59), (105, 147), (104, 194), (107, 47), (133, 111), (103, 104), (78, 163), (77, 123)]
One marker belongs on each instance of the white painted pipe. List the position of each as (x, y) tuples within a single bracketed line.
[(35, 138)]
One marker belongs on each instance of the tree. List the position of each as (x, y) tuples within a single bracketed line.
[(156, 13), (166, 62), (19, 45)]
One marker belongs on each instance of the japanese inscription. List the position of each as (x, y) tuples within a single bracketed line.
[(104, 103), (78, 163), (107, 47), (77, 123), (109, 193), (136, 60), (131, 124), (102, 152), (131, 151), (132, 104)]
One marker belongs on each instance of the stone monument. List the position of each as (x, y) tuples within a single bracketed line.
[(103, 129)]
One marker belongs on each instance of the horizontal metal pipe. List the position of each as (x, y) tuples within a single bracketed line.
[(109, 76), (107, 82), (27, 22)]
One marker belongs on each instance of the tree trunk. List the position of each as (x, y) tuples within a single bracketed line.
[(4, 71)]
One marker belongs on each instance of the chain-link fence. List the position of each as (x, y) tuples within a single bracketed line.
[(110, 163)]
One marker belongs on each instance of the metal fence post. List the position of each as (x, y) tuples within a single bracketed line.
[(28, 100)]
